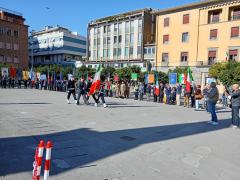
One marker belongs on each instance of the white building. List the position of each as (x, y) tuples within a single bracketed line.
[(56, 45), (120, 40)]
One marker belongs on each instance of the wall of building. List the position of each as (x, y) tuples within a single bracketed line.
[(13, 47), (224, 42)]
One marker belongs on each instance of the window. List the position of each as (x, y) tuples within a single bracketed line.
[(214, 16), (213, 34), (1, 45), (126, 51), (139, 37), (131, 51), (104, 53), (132, 26), (120, 28), (9, 32), (108, 40), (234, 32), (139, 50), (98, 41), (16, 59), (140, 25), (164, 57), (165, 39), (115, 39), (115, 52), (166, 22), (1, 30), (212, 57), (115, 27), (131, 38), (104, 40), (236, 14), (104, 29), (185, 37), (119, 51), (233, 54), (8, 46), (184, 56), (186, 19), (108, 28), (1, 58), (127, 39), (95, 42), (120, 39), (15, 47), (127, 27), (8, 59), (108, 52)]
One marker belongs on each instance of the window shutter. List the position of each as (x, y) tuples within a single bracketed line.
[(186, 19), (235, 32), (213, 33), (166, 22), (212, 54), (233, 52)]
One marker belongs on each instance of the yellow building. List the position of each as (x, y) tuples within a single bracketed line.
[(198, 35)]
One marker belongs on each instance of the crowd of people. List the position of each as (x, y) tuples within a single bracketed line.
[(196, 97)]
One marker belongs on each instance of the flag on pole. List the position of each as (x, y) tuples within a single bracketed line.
[(189, 80), (181, 78), (96, 82), (157, 89), (227, 56)]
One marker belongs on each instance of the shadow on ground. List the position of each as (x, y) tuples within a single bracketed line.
[(81, 148)]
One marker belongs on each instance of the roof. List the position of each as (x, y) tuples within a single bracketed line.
[(120, 16), (195, 5), (10, 12)]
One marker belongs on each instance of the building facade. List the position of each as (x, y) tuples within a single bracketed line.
[(13, 39), (198, 35), (120, 40), (56, 45)]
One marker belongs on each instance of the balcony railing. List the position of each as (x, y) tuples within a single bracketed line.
[(237, 17)]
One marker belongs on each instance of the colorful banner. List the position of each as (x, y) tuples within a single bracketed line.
[(25, 75), (13, 72), (151, 78), (146, 78), (134, 76), (172, 78), (116, 78), (4, 71)]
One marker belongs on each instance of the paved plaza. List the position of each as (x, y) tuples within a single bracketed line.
[(129, 140)]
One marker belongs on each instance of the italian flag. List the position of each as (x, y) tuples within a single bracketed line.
[(96, 82), (157, 89), (189, 80), (182, 79)]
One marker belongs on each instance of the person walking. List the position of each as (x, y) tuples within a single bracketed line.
[(71, 90), (198, 97), (161, 93), (179, 92), (235, 102), (213, 96), (101, 95), (81, 89), (141, 91)]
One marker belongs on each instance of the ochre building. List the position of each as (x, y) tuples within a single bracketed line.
[(198, 35)]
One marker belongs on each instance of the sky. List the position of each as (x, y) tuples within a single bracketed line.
[(76, 14)]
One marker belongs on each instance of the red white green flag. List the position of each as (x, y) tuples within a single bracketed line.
[(96, 82), (189, 80)]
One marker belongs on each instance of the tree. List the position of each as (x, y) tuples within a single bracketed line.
[(228, 72)]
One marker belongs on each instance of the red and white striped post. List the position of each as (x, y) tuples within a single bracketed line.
[(39, 158), (34, 176), (48, 160)]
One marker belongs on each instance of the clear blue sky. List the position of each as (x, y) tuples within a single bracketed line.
[(75, 14)]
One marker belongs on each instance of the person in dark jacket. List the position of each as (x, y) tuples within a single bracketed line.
[(101, 95), (213, 96), (235, 99), (161, 93), (71, 90), (81, 89)]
